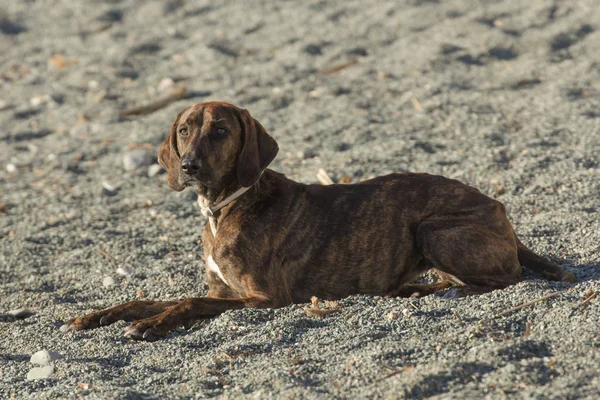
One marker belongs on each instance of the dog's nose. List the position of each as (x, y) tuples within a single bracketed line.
[(190, 166)]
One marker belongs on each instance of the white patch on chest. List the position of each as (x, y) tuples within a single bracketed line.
[(212, 266)]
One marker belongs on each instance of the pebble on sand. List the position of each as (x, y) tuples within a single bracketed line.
[(40, 373), (136, 158), (154, 170), (110, 188), (44, 357), (39, 100), (4, 105), (166, 85), (108, 281), (125, 271), (20, 313)]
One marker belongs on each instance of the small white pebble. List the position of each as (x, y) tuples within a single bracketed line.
[(93, 84), (125, 271), (10, 167), (166, 84), (108, 281), (20, 313), (40, 373), (39, 100), (406, 313), (110, 187), (44, 357), (64, 328), (136, 158), (154, 170)]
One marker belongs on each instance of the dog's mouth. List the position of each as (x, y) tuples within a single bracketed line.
[(196, 180)]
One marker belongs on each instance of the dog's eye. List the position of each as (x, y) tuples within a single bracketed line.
[(218, 133), (183, 131)]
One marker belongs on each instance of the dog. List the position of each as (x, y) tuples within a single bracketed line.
[(271, 241)]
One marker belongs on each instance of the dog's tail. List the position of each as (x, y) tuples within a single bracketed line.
[(541, 266)]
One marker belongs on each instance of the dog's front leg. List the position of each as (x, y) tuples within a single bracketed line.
[(186, 313), (132, 311)]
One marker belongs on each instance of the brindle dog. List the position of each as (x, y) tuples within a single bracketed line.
[(273, 242)]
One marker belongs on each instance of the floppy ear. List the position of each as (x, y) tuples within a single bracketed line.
[(169, 157), (258, 150)]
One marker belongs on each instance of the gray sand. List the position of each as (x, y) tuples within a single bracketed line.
[(503, 95)]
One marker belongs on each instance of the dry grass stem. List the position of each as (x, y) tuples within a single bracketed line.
[(417, 104), (323, 177), (316, 311), (526, 304), (337, 68), (176, 94), (105, 254), (527, 330)]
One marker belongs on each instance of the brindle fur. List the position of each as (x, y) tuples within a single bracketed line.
[(283, 242)]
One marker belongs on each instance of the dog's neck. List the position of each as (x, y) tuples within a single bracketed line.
[(213, 195), (211, 201)]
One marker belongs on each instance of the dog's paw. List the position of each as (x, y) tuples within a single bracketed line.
[(79, 324), (89, 321), (149, 329), (568, 277)]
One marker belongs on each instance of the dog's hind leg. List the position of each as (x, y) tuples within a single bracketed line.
[(542, 266), (481, 253)]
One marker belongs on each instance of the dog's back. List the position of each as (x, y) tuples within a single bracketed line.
[(338, 240)]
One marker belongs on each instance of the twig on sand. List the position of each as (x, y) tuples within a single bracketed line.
[(417, 104), (456, 315), (394, 372), (316, 311), (590, 296), (527, 330), (337, 68), (323, 177), (176, 94), (526, 304), (413, 305), (229, 357), (105, 254)]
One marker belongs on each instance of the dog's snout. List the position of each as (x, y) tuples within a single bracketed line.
[(190, 165)]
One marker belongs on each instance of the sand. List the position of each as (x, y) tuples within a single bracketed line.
[(502, 95)]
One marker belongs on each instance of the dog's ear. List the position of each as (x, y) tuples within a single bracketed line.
[(258, 150), (169, 157)]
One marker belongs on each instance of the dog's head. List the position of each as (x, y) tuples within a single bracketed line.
[(212, 144)]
